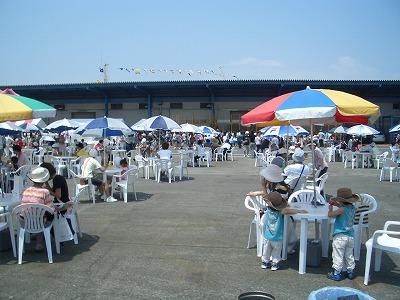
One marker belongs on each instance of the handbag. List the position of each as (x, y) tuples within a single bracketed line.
[(65, 233)]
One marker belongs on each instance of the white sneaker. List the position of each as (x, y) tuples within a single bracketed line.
[(111, 199)]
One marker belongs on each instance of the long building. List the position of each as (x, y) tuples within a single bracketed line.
[(216, 103)]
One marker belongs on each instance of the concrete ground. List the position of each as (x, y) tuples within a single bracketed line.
[(188, 240)]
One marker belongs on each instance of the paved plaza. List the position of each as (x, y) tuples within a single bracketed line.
[(188, 240)]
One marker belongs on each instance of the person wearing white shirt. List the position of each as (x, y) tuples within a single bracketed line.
[(296, 169), (164, 153)]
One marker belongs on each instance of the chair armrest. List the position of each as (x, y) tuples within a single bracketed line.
[(388, 223), (379, 233)]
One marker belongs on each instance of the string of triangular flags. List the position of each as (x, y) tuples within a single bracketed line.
[(190, 72)]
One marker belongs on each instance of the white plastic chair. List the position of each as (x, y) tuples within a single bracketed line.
[(8, 223), (229, 153), (255, 204), (219, 153), (379, 158), (365, 207), (75, 164), (33, 222), (39, 158), (259, 158), (22, 172), (389, 165), (321, 183), (183, 164), (349, 157), (78, 186), (206, 158), (59, 164), (72, 214), (142, 163), (124, 184), (166, 165), (382, 240)]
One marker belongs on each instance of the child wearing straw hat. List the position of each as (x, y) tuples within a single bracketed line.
[(343, 233), (272, 219)]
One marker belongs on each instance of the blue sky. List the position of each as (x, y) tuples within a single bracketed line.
[(55, 42)]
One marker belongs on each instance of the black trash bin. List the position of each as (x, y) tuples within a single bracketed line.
[(255, 296)]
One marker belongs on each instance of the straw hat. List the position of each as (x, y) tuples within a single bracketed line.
[(298, 155), (40, 175), (275, 200), (345, 195), (272, 173), (93, 152)]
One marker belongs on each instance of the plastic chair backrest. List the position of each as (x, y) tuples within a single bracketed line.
[(366, 206), (33, 216), (164, 164), (305, 196), (297, 184)]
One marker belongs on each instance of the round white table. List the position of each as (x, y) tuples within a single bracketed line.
[(319, 213)]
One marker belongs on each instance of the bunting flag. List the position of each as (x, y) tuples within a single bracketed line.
[(189, 72)]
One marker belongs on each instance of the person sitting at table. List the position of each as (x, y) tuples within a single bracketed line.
[(89, 165), (343, 233), (164, 153), (374, 153), (280, 159), (200, 152), (37, 194), (59, 190), (272, 220), (80, 150), (225, 147), (23, 159), (295, 170), (99, 145), (62, 146)]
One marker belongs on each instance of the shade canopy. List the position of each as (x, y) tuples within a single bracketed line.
[(160, 122), (362, 130)]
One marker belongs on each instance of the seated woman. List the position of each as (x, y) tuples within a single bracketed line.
[(37, 194), (164, 153)]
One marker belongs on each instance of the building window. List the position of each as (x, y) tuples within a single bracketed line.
[(396, 105), (176, 105), (142, 105), (205, 105), (117, 106), (59, 106)]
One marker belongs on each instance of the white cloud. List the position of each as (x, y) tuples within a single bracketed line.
[(348, 68), (251, 61)]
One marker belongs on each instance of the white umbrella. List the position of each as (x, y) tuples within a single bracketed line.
[(138, 126), (190, 128), (339, 129), (362, 130), (283, 130)]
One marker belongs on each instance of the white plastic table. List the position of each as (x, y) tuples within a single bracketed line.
[(319, 213), (360, 156)]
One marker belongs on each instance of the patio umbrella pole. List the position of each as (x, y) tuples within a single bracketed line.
[(313, 163)]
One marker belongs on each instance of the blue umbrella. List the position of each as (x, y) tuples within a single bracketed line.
[(160, 122), (29, 127), (62, 125), (7, 128), (206, 130), (104, 127)]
